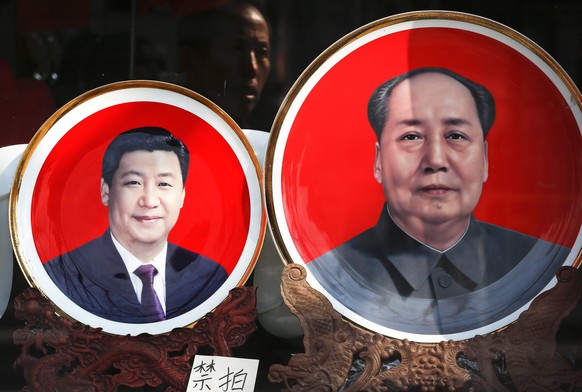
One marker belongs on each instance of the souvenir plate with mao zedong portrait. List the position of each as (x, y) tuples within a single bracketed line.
[(425, 169), (137, 207)]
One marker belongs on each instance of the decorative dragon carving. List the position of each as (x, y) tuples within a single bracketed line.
[(340, 356), (59, 354)]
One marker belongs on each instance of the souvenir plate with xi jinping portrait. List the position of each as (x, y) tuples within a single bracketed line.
[(130, 174)]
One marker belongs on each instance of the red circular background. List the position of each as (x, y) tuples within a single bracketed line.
[(329, 193), (66, 205)]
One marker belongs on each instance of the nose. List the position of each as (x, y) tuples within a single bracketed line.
[(249, 63), (435, 156), (149, 197)]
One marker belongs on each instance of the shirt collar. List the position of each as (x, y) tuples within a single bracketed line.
[(415, 261), (132, 263)]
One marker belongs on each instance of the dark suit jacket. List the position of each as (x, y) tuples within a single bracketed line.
[(391, 279), (95, 278)]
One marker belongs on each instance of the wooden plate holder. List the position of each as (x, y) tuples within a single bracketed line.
[(58, 354), (340, 356)]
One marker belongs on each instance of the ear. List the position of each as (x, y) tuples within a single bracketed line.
[(183, 197), (378, 164), (486, 163), (104, 193)]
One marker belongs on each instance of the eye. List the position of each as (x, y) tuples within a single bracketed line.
[(132, 183), (165, 184), (410, 136), (456, 136), (263, 51)]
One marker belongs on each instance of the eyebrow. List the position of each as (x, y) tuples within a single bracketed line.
[(456, 121), (410, 122), (446, 121), (140, 174), (131, 173)]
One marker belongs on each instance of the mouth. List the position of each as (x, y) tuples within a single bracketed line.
[(250, 94), (147, 219), (249, 98), (435, 189)]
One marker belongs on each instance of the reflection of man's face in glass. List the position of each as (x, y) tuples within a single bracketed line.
[(431, 158), (144, 199), (233, 70)]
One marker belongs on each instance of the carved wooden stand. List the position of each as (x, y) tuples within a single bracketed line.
[(340, 356), (62, 355)]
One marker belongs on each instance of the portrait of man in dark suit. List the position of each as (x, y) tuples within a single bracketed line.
[(132, 273), (429, 266)]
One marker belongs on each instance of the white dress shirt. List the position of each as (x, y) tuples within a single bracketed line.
[(132, 263)]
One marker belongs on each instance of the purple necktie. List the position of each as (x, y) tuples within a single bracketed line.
[(150, 303)]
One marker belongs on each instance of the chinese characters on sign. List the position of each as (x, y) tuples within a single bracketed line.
[(223, 374)]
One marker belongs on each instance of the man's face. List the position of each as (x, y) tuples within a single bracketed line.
[(431, 159), (235, 70), (144, 199)]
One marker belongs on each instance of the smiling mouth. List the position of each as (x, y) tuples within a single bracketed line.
[(147, 219)]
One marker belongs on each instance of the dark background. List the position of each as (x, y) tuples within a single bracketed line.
[(34, 37)]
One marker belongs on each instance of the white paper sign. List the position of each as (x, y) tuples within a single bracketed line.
[(223, 374)]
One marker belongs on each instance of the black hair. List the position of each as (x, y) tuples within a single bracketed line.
[(378, 103), (143, 139), (199, 29)]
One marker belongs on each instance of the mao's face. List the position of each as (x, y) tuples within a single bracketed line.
[(144, 199), (431, 159)]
